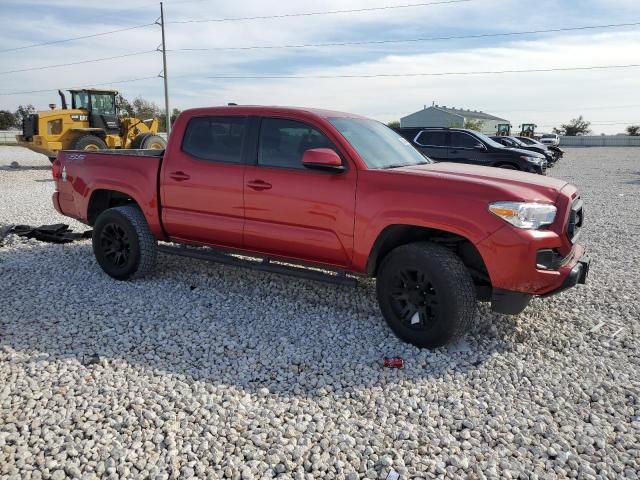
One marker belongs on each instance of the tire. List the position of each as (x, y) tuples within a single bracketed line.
[(123, 245), (444, 292), (89, 143), (148, 141), (508, 166), (154, 142), (136, 143)]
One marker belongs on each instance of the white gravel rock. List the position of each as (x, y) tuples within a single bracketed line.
[(251, 375)]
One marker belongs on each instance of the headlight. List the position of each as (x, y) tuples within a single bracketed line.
[(535, 160), (530, 216)]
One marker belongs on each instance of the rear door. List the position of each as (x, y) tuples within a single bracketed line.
[(202, 186), (433, 143), (465, 148), (290, 210)]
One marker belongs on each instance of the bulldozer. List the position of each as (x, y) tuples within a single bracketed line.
[(528, 130), (92, 123), (503, 129)]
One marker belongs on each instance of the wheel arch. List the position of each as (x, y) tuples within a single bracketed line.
[(102, 199), (394, 236)]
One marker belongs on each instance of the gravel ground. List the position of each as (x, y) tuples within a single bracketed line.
[(210, 371)]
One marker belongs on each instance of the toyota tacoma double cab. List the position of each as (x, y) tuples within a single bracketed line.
[(340, 193)]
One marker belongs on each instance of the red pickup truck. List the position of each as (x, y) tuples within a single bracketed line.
[(339, 192)]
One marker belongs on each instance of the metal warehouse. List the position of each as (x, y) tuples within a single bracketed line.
[(442, 116)]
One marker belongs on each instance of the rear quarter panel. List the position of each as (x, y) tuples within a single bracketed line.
[(132, 175)]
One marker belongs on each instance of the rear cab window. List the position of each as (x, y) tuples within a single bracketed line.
[(218, 139)]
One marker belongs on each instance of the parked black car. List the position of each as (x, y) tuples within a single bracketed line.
[(557, 151), (513, 142), (468, 146)]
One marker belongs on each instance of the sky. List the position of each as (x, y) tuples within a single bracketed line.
[(609, 98)]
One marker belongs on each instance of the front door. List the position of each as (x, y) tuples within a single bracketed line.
[(202, 186), (465, 148), (293, 211)]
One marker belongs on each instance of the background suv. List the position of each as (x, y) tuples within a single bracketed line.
[(467, 146)]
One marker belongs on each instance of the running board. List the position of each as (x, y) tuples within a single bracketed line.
[(264, 265)]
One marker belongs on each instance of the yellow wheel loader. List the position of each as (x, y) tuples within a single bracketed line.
[(92, 123)]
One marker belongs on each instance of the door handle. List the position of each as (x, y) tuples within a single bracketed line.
[(179, 176), (259, 185)]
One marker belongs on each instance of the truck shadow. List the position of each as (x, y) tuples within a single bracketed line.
[(217, 324)]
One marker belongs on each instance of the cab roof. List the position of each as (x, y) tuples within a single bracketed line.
[(94, 90), (263, 110)]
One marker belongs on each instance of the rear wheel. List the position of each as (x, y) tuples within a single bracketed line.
[(426, 294), (89, 143), (123, 245)]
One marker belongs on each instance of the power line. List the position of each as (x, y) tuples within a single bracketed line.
[(73, 88), (326, 12), (422, 74), (76, 38), (79, 62), (411, 40)]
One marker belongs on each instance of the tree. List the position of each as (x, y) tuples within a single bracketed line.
[(145, 109), (162, 119), (23, 112), (473, 124), (394, 124), (634, 130), (7, 120), (124, 106), (577, 126)]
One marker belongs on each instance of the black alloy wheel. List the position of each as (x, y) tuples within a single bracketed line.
[(115, 245), (414, 299)]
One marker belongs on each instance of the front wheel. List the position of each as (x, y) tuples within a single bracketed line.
[(426, 294), (123, 245)]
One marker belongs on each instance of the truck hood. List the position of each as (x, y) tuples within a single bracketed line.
[(505, 184)]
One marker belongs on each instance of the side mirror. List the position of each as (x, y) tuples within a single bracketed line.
[(322, 159), (480, 146)]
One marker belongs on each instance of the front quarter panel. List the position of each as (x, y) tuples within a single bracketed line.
[(386, 198)]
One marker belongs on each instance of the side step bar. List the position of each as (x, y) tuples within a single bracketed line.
[(265, 265)]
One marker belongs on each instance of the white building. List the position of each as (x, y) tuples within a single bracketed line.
[(437, 116)]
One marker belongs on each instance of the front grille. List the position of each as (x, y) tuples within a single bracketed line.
[(576, 218)]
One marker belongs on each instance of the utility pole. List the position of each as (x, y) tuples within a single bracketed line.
[(164, 72)]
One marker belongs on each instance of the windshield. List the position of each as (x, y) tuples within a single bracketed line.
[(103, 104), (517, 142), (549, 135), (488, 140), (377, 144)]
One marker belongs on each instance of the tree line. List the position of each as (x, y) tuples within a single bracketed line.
[(138, 107)]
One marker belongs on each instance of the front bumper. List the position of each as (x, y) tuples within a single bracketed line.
[(512, 303), (577, 276)]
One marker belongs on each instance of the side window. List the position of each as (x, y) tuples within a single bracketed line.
[(283, 142), (463, 140), (432, 139), (215, 138)]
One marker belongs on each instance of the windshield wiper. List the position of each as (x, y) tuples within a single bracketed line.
[(399, 165)]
